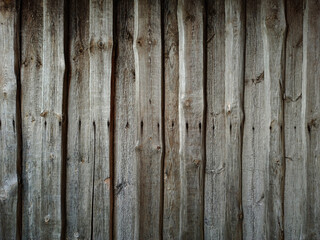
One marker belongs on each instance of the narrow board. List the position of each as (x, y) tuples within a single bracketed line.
[(215, 172), (42, 74), (191, 116), (311, 115), (295, 178), (88, 161), (171, 209), (273, 34), (9, 47), (254, 152), (234, 81), (149, 139), (125, 124)]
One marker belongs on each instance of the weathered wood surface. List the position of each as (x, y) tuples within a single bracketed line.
[(42, 74), (234, 81), (125, 187), (88, 176), (9, 53), (159, 119), (295, 160), (254, 151), (311, 116), (215, 172), (273, 35), (171, 208), (149, 137), (191, 116)]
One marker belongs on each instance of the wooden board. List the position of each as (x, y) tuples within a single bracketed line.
[(234, 81), (254, 152), (125, 125), (191, 116), (273, 34), (171, 209), (149, 137), (9, 73), (215, 174), (295, 177), (42, 73), (311, 115), (88, 176)]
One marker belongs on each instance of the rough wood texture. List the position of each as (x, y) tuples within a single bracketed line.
[(191, 116), (215, 172), (254, 153), (311, 115), (171, 214), (88, 176), (149, 142), (125, 125), (8, 120), (295, 178), (42, 74), (273, 34), (234, 81)]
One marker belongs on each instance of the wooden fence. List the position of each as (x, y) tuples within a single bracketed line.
[(152, 119)]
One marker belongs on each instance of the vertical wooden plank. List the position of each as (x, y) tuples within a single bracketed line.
[(88, 177), (215, 174), (171, 214), (42, 74), (149, 149), (295, 178), (191, 116), (125, 125), (311, 114), (254, 151), (234, 81), (273, 32), (8, 119)]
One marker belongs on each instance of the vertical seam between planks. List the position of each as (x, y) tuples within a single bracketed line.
[(244, 7), (65, 105), (162, 121), (17, 69), (113, 115), (93, 176), (204, 129), (283, 117)]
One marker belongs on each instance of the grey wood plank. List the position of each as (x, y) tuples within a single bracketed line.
[(295, 177), (215, 172), (125, 187), (234, 81), (255, 128), (191, 116), (42, 74), (149, 142), (88, 175), (273, 32), (310, 115), (171, 214), (8, 119)]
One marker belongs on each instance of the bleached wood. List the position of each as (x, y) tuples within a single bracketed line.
[(215, 172), (125, 125), (234, 81), (171, 214), (8, 121), (42, 73), (311, 115), (273, 34), (295, 178), (254, 152), (88, 176), (191, 116), (149, 142)]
